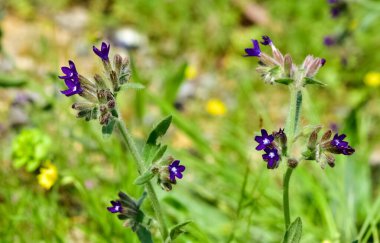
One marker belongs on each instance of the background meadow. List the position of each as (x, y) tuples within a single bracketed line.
[(189, 56)]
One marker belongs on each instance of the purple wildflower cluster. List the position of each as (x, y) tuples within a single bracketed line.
[(339, 146), (267, 143), (71, 79), (175, 170), (71, 76), (337, 7), (322, 151), (280, 68), (99, 93), (128, 210)]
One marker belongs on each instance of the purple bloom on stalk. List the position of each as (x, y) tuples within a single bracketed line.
[(103, 52), (329, 41), (116, 207), (175, 170), (332, 1), (255, 51), (340, 145), (271, 157), (323, 61), (264, 140), (71, 79), (266, 40)]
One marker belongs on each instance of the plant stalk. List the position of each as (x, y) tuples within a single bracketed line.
[(291, 129), (128, 140)]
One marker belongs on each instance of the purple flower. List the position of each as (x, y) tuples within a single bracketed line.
[(175, 170), (332, 1), (329, 41), (255, 51), (103, 53), (116, 207), (266, 40), (71, 79), (335, 11), (340, 146), (264, 140), (323, 61), (271, 157)]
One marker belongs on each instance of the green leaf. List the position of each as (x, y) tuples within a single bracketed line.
[(285, 81), (159, 153), (313, 81), (108, 129), (173, 83), (153, 151), (159, 130), (144, 234), (294, 232), (9, 82), (144, 178), (177, 230), (136, 86)]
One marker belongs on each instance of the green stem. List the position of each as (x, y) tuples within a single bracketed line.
[(287, 175), (291, 129), (128, 139)]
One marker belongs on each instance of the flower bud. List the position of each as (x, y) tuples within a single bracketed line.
[(89, 95), (313, 139), (117, 62), (288, 66), (87, 84), (115, 83), (111, 104), (292, 163), (277, 55), (82, 106), (100, 81), (330, 160), (326, 136), (104, 118)]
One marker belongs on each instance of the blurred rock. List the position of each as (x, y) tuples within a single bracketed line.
[(74, 19), (129, 38)]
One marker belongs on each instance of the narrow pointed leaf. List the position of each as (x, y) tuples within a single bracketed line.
[(159, 130), (294, 232), (313, 81), (144, 178), (136, 86), (144, 234), (177, 230), (285, 81)]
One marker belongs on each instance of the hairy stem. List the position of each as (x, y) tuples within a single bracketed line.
[(291, 129), (285, 198), (128, 140)]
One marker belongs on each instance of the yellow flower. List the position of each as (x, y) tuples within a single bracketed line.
[(190, 72), (48, 175), (372, 79), (353, 24), (216, 107)]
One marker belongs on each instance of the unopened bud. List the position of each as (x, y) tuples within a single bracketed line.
[(288, 66), (313, 139), (326, 136), (100, 81), (330, 160), (277, 55), (104, 118), (292, 163), (82, 106), (113, 77), (89, 95), (87, 84), (111, 104), (117, 63)]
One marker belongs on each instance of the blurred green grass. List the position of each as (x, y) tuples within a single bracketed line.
[(227, 191)]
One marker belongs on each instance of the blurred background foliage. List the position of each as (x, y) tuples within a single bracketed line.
[(189, 55)]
